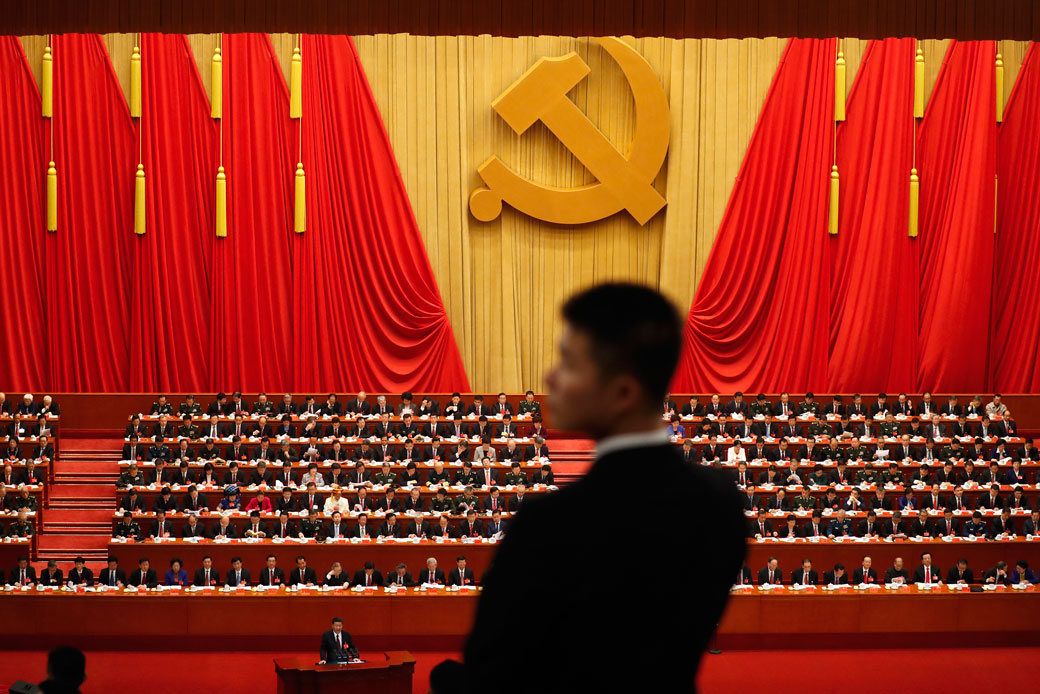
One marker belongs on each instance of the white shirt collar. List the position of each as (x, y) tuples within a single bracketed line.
[(639, 439)]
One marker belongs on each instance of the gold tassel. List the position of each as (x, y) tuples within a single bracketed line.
[(216, 89), (135, 83), (221, 206), (915, 196), (839, 88), (832, 222), (1000, 89), (919, 84), (139, 200), (996, 199), (47, 86), (52, 197), (300, 209), (296, 86)]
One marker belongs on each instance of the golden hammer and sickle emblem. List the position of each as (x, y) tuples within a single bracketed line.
[(624, 183)]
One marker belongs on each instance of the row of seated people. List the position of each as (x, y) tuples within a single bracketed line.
[(311, 526), (21, 498), (950, 472), (365, 452), (222, 406), (22, 527), (898, 573), (333, 475), (209, 576), (408, 500), (29, 406), (900, 525), (906, 499), (27, 430), (15, 474), (263, 428), (902, 405), (845, 429), (856, 451)]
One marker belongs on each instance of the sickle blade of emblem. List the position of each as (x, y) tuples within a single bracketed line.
[(624, 183)]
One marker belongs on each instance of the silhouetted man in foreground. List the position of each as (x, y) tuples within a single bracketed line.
[(601, 628)]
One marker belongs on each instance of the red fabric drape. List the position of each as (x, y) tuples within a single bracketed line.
[(873, 332), (1014, 358), (170, 318), (372, 317), (759, 318), (88, 259), (23, 336), (956, 154), (253, 291)]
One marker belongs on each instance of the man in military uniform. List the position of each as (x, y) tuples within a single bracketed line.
[(159, 451), (161, 406), (529, 405), (515, 475), (467, 500), (808, 406), (975, 527), (840, 526), (188, 429), (127, 528), (890, 427), (468, 476), (385, 476), (190, 407), (867, 475), (819, 430), (21, 527), (24, 500), (263, 406), (833, 451), (892, 475), (311, 525), (804, 501), (442, 503), (132, 477), (856, 452), (952, 451), (761, 406)]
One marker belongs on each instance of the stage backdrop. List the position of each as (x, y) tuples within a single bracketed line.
[(501, 282)]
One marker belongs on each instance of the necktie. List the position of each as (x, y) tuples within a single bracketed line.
[(23, 576), (238, 578), (339, 643), (927, 575), (368, 579), (111, 578), (270, 577)]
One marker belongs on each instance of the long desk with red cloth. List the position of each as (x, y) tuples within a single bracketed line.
[(981, 555), (281, 618)]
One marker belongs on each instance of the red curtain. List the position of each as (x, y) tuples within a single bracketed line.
[(372, 316), (171, 292), (254, 290), (956, 154), (1014, 358), (23, 336), (873, 332), (759, 318), (88, 258)]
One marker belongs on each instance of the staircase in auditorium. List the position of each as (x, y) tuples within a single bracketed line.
[(78, 516)]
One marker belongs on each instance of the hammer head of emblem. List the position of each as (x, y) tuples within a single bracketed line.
[(539, 89)]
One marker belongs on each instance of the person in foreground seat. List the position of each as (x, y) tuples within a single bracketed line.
[(617, 353)]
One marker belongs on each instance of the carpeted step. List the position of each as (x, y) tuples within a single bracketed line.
[(56, 542), (78, 515), (79, 504), (93, 490)]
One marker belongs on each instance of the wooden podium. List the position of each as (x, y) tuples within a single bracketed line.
[(302, 676)]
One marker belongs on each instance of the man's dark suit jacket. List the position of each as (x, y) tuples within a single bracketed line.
[(332, 653), (438, 576), (267, 580), (673, 631), (200, 577), (799, 577), (230, 579), (79, 578), (105, 575), (359, 578), (919, 574), (954, 575), (458, 578), (308, 576), (150, 579), (858, 577), (891, 573), (763, 576)]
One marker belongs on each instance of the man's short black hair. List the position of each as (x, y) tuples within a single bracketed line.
[(633, 330), (67, 665), (337, 619)]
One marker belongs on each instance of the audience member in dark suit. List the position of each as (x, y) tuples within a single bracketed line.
[(302, 573), (865, 573), (460, 575), (112, 576), (836, 576), (431, 574), (144, 575), (926, 573), (206, 575), (806, 575), (770, 573), (368, 576), (960, 573)]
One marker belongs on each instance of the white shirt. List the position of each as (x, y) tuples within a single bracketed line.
[(735, 455), (332, 505)]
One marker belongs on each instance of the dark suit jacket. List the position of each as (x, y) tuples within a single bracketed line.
[(799, 577), (230, 579), (954, 575), (672, 633), (199, 579), (936, 574), (438, 576), (266, 579), (150, 578), (461, 578), (330, 651), (829, 580), (104, 576), (763, 575), (306, 576), (858, 577), (359, 578), (393, 579)]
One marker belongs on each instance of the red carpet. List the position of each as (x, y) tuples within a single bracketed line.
[(918, 670)]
